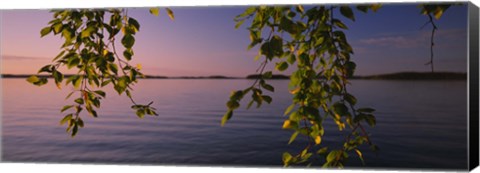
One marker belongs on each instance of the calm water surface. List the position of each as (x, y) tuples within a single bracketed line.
[(420, 124)]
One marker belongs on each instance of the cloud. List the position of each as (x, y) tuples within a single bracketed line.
[(443, 37), (20, 58), (394, 41)]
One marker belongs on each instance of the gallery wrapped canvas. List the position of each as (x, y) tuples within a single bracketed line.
[(313, 86)]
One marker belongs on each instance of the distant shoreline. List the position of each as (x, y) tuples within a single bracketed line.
[(390, 76)]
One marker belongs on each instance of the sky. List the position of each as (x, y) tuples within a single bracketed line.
[(202, 41)]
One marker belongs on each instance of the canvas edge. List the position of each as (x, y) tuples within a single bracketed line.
[(473, 96)]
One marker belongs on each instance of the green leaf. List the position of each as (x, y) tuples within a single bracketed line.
[(72, 62), (237, 95), (170, 13), (362, 8), (350, 68), (291, 59), (375, 7), (66, 119), (292, 138), (134, 23), (37, 81), (227, 116), (105, 83), (322, 150), (266, 50), (155, 11), (128, 41), (299, 8), (66, 108), (128, 53), (87, 32), (100, 92), (267, 86), (370, 120), (360, 156), (59, 55), (68, 35), (248, 11), (374, 148), (287, 25), (239, 23), (80, 122), (151, 112), (350, 98), (45, 31), (77, 82), (79, 101), (250, 104), (286, 157), (69, 95), (332, 155), (57, 76), (33, 79), (47, 68), (340, 109), (128, 93), (267, 75), (282, 66), (289, 109), (267, 99), (340, 24), (123, 81), (347, 12), (275, 45), (232, 104), (57, 28), (74, 130), (113, 68), (140, 113)]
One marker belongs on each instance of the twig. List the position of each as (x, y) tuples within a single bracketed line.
[(434, 28)]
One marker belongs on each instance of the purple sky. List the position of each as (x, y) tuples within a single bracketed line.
[(202, 41)]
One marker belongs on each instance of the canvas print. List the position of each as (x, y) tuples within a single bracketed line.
[(318, 86)]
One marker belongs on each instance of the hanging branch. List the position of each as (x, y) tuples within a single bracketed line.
[(434, 28)]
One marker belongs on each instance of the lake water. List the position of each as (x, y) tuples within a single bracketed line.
[(420, 124)]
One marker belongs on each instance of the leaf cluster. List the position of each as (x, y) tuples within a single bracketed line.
[(314, 43), (89, 49)]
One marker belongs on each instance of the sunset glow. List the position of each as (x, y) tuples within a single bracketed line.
[(202, 41)]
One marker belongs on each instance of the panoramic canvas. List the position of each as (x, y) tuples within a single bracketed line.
[(356, 86)]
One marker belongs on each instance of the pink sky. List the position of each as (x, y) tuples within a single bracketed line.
[(202, 41)]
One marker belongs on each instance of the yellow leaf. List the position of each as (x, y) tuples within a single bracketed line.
[(139, 66), (295, 90), (105, 52), (286, 124), (154, 11), (318, 139), (337, 117), (300, 8), (59, 86), (359, 153), (349, 121), (170, 13), (438, 14), (123, 30), (375, 7)]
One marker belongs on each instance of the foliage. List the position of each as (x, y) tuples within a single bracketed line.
[(437, 12), (89, 48), (312, 41)]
